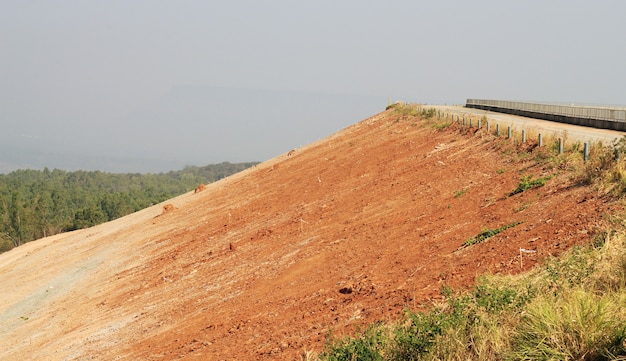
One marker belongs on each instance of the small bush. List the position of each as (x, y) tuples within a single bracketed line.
[(366, 346), (562, 273), (428, 113), (494, 298), (441, 124), (405, 109), (417, 111), (421, 331)]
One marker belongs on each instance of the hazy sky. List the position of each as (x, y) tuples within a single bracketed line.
[(155, 84)]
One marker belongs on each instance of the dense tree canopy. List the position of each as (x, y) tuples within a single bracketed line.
[(35, 203)]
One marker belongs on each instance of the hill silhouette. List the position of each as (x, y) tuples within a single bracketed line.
[(266, 263)]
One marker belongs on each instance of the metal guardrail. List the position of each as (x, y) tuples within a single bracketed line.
[(598, 117), (574, 111)]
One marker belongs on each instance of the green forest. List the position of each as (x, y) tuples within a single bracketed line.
[(40, 203)]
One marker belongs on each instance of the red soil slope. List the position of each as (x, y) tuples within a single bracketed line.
[(263, 264)]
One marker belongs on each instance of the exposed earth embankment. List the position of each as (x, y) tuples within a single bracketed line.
[(264, 264)]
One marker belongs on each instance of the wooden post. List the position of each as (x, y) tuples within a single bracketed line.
[(540, 140), (586, 152), (523, 136)]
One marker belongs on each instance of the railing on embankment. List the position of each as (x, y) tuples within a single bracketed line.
[(596, 117)]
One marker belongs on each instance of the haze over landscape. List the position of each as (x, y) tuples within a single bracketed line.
[(341, 213), (150, 86)]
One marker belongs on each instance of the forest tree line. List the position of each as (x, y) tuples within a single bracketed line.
[(40, 203)]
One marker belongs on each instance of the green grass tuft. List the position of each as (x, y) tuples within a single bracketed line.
[(576, 325), (527, 183), (488, 233), (459, 193)]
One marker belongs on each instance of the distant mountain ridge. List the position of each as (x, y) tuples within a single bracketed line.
[(13, 159)]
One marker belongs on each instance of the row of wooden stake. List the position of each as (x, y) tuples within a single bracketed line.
[(509, 134)]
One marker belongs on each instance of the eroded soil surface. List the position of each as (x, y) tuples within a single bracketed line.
[(264, 264)]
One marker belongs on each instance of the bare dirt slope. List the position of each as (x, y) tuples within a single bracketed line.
[(263, 264)]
